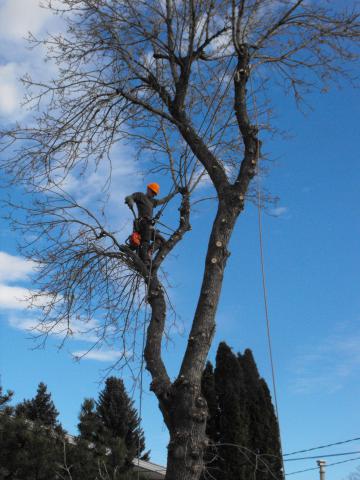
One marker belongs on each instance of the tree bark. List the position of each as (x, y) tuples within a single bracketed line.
[(181, 403)]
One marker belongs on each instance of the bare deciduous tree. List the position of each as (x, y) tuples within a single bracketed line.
[(176, 79)]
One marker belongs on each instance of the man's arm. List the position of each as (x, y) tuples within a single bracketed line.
[(166, 199), (129, 201)]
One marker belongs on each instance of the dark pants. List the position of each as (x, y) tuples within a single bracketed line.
[(151, 240)]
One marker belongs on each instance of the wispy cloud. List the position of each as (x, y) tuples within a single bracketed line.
[(13, 298), (329, 364), (85, 331), (99, 355), (279, 211)]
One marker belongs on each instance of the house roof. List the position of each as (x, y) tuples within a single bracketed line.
[(151, 471)]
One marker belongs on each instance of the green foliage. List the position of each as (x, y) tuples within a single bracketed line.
[(33, 445), (90, 425), (110, 429), (40, 408), (233, 422), (242, 426), (118, 415), (5, 398), (28, 451)]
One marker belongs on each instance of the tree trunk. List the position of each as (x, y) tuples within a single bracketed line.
[(181, 403)]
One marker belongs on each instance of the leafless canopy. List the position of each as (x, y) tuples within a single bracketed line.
[(166, 75), (180, 80)]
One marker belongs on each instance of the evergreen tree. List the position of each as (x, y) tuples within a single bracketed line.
[(90, 425), (28, 451), (40, 408), (120, 418), (5, 398), (264, 436), (109, 435), (242, 421), (233, 422)]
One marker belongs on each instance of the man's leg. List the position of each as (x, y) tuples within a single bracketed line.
[(158, 241), (145, 232)]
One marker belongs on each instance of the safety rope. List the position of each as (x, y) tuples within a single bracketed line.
[(142, 355), (263, 275)]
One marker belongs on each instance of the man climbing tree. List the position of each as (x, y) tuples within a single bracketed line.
[(188, 84), (144, 222)]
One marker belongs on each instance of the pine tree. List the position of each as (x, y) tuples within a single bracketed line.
[(40, 409), (5, 398), (120, 418), (90, 425), (109, 435), (27, 450)]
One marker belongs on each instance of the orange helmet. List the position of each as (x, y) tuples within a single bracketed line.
[(154, 187)]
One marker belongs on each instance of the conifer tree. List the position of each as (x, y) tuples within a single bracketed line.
[(233, 423), (40, 409), (244, 426), (263, 437), (89, 425), (120, 418), (28, 451), (5, 398)]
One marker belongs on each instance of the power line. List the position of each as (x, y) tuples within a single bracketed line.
[(322, 446), (327, 465), (322, 456)]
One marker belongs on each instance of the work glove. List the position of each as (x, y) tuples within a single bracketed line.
[(129, 202)]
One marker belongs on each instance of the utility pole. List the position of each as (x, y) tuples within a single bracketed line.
[(321, 464)]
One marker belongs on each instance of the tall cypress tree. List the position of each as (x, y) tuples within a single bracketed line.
[(264, 437), (233, 422), (245, 417)]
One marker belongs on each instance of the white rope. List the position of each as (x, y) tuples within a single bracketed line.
[(263, 275)]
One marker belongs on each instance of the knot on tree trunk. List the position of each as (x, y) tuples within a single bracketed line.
[(160, 388)]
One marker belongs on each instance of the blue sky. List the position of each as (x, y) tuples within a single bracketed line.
[(311, 247)]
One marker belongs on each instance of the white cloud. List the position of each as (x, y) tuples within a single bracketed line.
[(85, 331), (279, 211), (19, 17), (10, 93), (99, 355), (13, 298), (14, 268)]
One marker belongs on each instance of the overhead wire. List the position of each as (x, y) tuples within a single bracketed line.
[(322, 446), (327, 465), (326, 455)]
